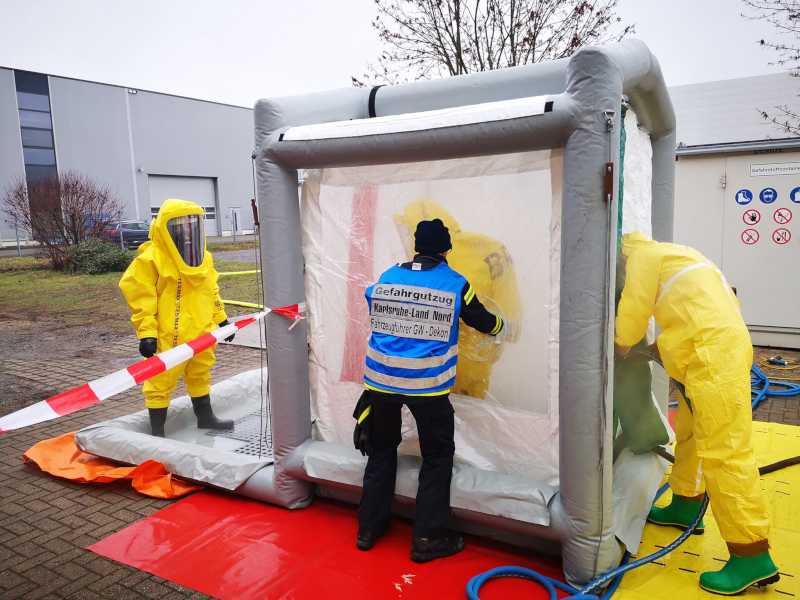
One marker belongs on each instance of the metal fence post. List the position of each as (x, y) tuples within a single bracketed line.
[(16, 233)]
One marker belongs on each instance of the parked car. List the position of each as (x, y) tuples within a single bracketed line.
[(133, 234)]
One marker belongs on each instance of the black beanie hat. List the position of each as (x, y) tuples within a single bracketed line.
[(432, 237)]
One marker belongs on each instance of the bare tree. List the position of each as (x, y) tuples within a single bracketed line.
[(424, 38), (61, 212), (784, 16)]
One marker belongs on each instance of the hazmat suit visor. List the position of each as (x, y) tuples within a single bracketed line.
[(188, 236)]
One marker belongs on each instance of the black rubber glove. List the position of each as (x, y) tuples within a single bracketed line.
[(148, 347), (233, 335), (363, 416)]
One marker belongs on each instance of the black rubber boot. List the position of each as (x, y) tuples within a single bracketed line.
[(425, 549), (205, 416), (366, 539), (158, 416)]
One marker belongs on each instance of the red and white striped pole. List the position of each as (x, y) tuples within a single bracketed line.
[(98, 390)]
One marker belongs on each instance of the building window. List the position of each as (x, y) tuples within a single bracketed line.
[(36, 126), (37, 138), (39, 156)]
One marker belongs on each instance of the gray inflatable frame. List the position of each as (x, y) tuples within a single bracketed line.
[(586, 92)]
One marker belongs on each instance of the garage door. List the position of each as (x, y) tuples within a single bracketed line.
[(201, 190)]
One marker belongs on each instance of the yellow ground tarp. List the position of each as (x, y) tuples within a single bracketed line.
[(674, 577)]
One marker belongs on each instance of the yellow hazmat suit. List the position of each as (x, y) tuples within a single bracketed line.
[(174, 303), (486, 264), (705, 345)]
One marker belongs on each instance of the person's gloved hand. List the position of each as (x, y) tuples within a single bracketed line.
[(361, 432), (504, 334), (148, 347), (231, 336)]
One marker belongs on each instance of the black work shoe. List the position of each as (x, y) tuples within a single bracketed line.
[(366, 540), (158, 416), (425, 549), (206, 419)]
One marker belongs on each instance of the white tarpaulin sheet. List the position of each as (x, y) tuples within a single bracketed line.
[(503, 213), (637, 171)]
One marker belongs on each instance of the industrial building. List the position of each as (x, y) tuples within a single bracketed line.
[(737, 191), (143, 145), (737, 182)]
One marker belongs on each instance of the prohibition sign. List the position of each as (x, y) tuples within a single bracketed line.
[(782, 216), (781, 236), (749, 236), (751, 216)]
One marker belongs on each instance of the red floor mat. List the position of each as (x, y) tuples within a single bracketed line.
[(230, 547)]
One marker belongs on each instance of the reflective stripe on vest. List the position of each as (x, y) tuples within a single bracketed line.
[(401, 362), (666, 287), (411, 383)]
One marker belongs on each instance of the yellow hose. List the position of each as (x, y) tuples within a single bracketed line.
[(781, 372), (240, 303)]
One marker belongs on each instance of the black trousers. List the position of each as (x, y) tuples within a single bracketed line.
[(434, 417)]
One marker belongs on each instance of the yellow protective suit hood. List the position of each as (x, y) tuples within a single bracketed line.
[(633, 241), (424, 209), (160, 237)]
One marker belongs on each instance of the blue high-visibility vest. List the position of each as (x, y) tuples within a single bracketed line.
[(414, 316)]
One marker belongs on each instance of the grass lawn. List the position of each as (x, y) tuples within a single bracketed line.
[(29, 290), (225, 247)]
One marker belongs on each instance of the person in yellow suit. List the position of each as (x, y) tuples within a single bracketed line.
[(171, 289), (704, 345), (486, 264)]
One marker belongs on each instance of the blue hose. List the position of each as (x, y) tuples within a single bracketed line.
[(586, 592), (762, 387)]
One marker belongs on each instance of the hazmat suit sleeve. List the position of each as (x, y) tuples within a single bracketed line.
[(138, 285), (219, 308), (638, 300)]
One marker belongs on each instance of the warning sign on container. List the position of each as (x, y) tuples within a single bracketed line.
[(744, 196), (782, 216), (750, 236), (768, 195), (781, 236), (751, 217)]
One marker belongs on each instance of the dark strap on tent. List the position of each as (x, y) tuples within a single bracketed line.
[(372, 93)]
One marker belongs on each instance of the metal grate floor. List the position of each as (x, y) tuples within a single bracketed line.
[(254, 430)]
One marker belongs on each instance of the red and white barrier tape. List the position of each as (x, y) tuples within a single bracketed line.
[(98, 390)]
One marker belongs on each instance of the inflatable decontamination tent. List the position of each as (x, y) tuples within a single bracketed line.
[(536, 170)]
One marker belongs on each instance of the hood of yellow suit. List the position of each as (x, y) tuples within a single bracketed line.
[(422, 209), (426, 210), (635, 241), (161, 239)]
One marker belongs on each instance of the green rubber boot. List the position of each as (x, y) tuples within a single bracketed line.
[(739, 573), (679, 513)]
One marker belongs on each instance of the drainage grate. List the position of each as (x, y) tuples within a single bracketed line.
[(248, 429)]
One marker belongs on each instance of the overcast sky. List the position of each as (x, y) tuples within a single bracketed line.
[(237, 51)]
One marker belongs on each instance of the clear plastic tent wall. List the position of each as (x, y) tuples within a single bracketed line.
[(471, 146), (504, 214)]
